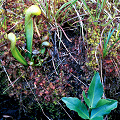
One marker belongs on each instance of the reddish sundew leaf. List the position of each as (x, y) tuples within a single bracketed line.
[(47, 98), (43, 81), (41, 84), (46, 92), (40, 93), (118, 57), (51, 84), (37, 79), (57, 81), (109, 70), (108, 61)]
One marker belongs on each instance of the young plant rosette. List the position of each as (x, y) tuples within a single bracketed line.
[(96, 106)]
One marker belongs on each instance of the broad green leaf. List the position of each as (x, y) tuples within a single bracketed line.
[(104, 109), (95, 91), (97, 118), (76, 105), (102, 102), (86, 99)]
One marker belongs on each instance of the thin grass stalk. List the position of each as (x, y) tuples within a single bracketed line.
[(106, 43), (88, 9), (101, 8), (64, 6)]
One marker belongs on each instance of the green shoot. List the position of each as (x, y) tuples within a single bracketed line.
[(105, 48), (97, 107), (15, 52), (32, 10)]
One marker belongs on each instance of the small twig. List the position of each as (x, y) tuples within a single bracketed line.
[(66, 48), (3, 45), (57, 67), (9, 29), (43, 11), (7, 75), (101, 76), (79, 80), (11, 12), (73, 18), (54, 65), (80, 19), (101, 70), (69, 52), (55, 51), (96, 57), (116, 67), (64, 33), (64, 110), (103, 86), (36, 27), (101, 46), (14, 82), (37, 100)]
